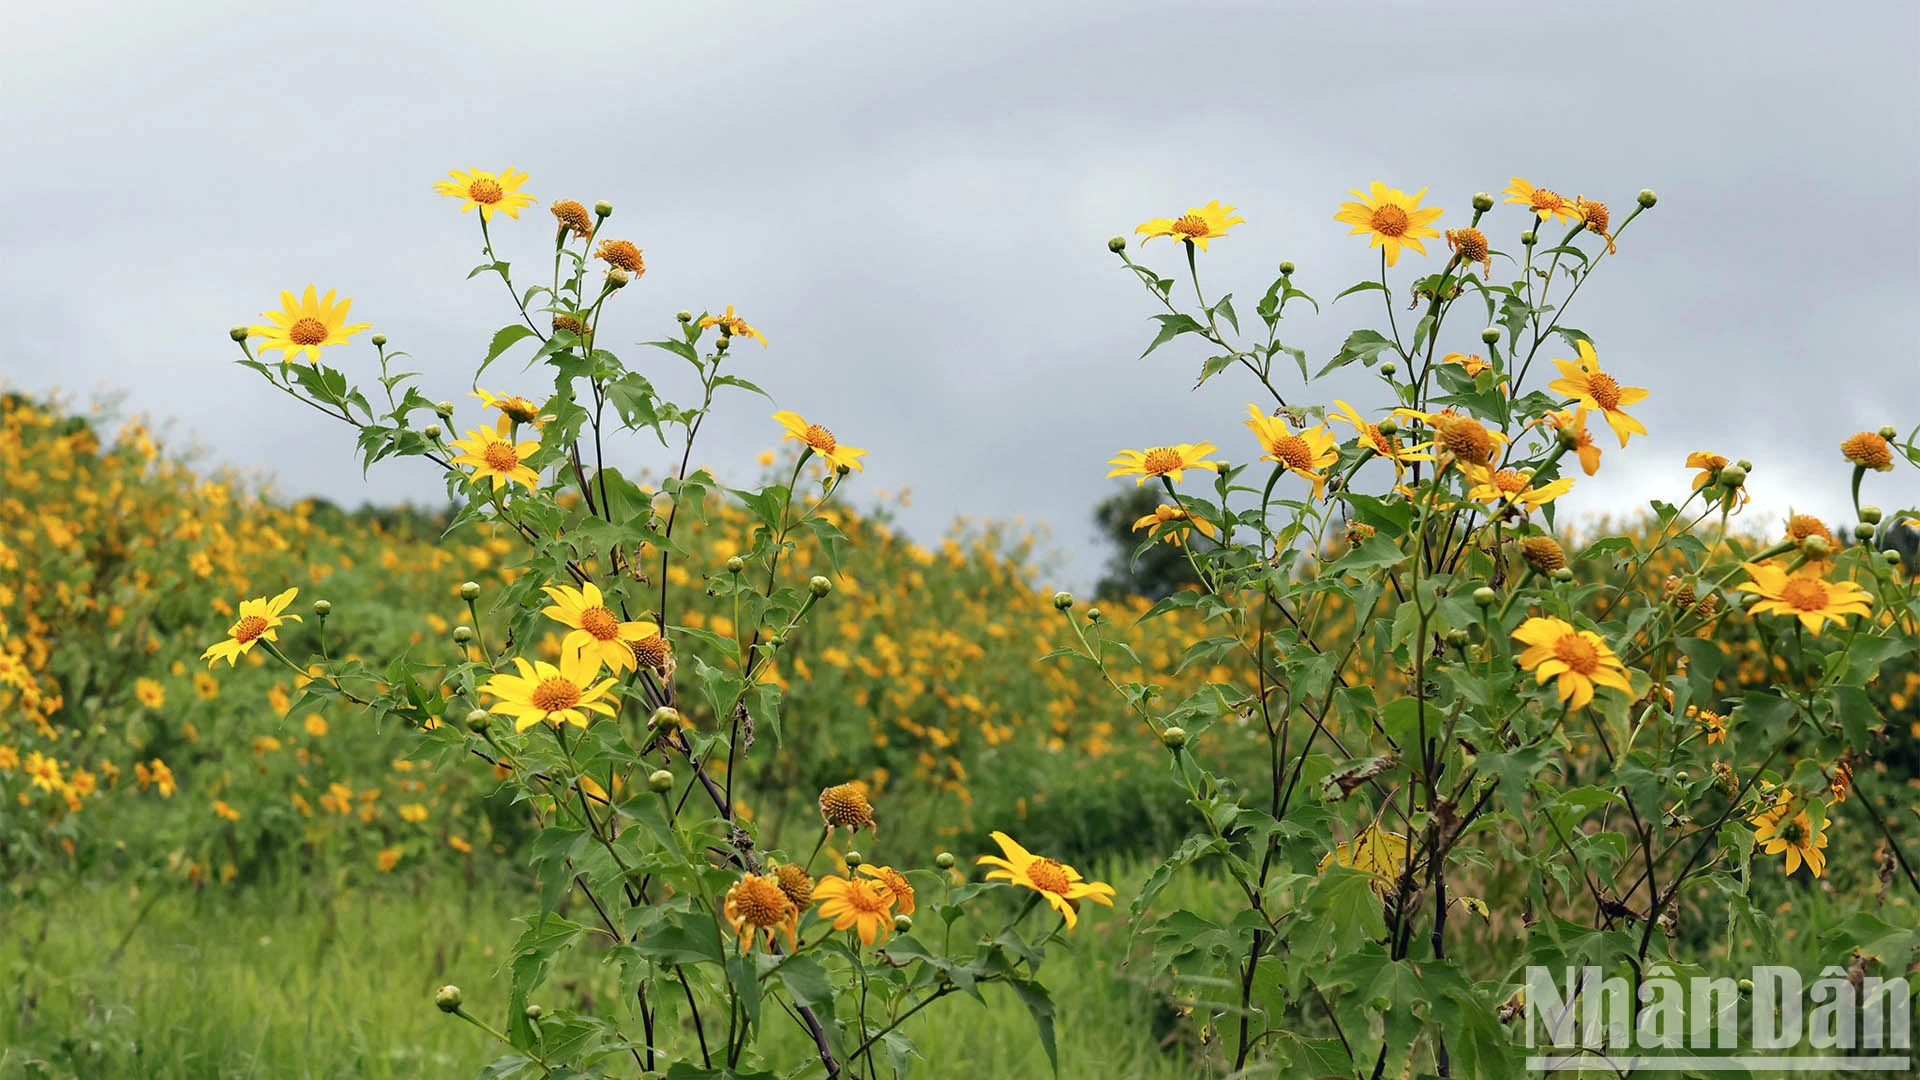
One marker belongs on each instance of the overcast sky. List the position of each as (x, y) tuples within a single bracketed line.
[(913, 200)]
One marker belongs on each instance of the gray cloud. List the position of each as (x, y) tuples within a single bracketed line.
[(912, 201)]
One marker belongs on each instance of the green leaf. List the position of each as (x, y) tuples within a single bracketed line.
[(1040, 1006), (503, 339), (1172, 326)]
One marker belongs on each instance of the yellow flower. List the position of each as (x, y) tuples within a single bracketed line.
[(757, 904), (734, 325), (1572, 426), (1198, 225), (598, 633), (1172, 461), (515, 408), (894, 884), (1710, 466), (150, 693), (492, 456), (1544, 202), (820, 441), (1306, 454), (1391, 217), (1492, 486), (415, 813), (492, 194), (388, 859), (305, 325), (1579, 659), (1806, 595), (316, 725), (221, 809), (1054, 880), (1712, 722), (622, 255), (556, 695), (1592, 388), (1471, 243), (845, 806), (1457, 436), (1371, 437), (1596, 216), (1868, 450), (1375, 851), (1795, 836), (206, 687), (865, 907), (258, 620), (1178, 523)]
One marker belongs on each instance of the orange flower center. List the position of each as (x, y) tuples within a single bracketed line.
[(759, 901), (1868, 449), (1049, 875), (1472, 243), (1801, 526), (484, 190), (600, 622), (307, 332), (1463, 437), (1191, 225), (500, 457), (1804, 594), (1390, 220), (1509, 482), (1604, 390), (1293, 451), (1595, 214), (1545, 199), (249, 628), (820, 439), (554, 694), (1577, 653), (1161, 460)]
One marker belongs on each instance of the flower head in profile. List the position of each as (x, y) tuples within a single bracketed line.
[(820, 441), (756, 905), (1571, 427), (556, 695), (1496, 486), (733, 325), (858, 904), (1709, 475), (1807, 596), (259, 620), (1306, 454), (1471, 244), (1173, 524), (570, 217), (517, 409), (1168, 461), (493, 194), (1583, 381), (1868, 450), (1056, 882), (1392, 218), (1545, 202), (1596, 217), (305, 325), (1197, 226), (1372, 438), (491, 455), (894, 882), (597, 632), (1578, 659), (622, 255)]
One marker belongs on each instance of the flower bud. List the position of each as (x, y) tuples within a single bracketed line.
[(1746, 987), (1458, 637), (1815, 546), (854, 859), (1388, 426), (444, 408), (1286, 268), (819, 586), (1062, 601), (323, 608), (665, 716), (462, 634), (1648, 198), (944, 860), (603, 208), (477, 720), (684, 316), (736, 564), (1529, 238), (1563, 574), (721, 344), (1173, 738), (1870, 515), (447, 998), (431, 431), (661, 781), (379, 341), (1745, 464), (535, 1012), (1733, 476), (1889, 432), (1491, 335), (618, 278), (1389, 368), (1482, 201), (469, 591), (1093, 614), (238, 333), (1890, 557), (1485, 596), (903, 923), (1117, 244), (1863, 531)]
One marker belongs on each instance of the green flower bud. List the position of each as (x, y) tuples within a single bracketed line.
[(1529, 238), (1388, 426), (1870, 515), (1733, 476), (1482, 201), (1093, 614), (535, 1012), (1863, 531), (903, 923), (469, 591), (238, 333), (379, 341), (323, 608), (1458, 637), (603, 208), (661, 781), (684, 316), (1745, 464), (1173, 738), (854, 859), (1563, 574), (1286, 268), (477, 720), (1062, 601), (736, 564), (1485, 596), (1117, 244), (618, 278), (819, 586), (1746, 987), (721, 344), (444, 408), (944, 860), (1890, 557), (665, 716), (1491, 335), (1389, 368), (1889, 432), (1815, 546), (447, 998), (1648, 198), (462, 634), (431, 431)]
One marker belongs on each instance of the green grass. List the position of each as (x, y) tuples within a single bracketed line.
[(303, 982)]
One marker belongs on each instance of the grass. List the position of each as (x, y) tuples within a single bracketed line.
[(304, 982)]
